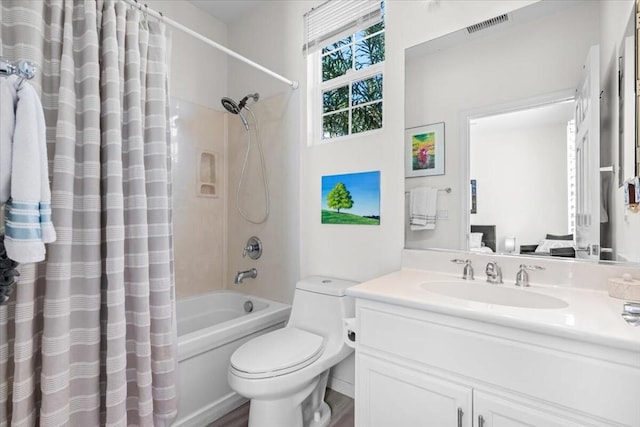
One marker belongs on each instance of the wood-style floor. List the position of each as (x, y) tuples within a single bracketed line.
[(341, 412)]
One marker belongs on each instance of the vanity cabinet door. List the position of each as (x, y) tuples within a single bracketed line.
[(493, 411), (390, 395)]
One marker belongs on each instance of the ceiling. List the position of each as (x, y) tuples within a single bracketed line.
[(228, 11), (550, 114), (518, 16)]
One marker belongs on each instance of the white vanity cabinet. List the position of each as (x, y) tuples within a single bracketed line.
[(394, 395), (425, 368), (494, 411)]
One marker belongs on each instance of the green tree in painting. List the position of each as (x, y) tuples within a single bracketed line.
[(339, 198)]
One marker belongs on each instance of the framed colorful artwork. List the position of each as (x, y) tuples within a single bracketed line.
[(424, 150), (352, 198)]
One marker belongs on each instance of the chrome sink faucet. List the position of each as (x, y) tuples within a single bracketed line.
[(467, 271), (247, 274), (522, 277), (494, 273)]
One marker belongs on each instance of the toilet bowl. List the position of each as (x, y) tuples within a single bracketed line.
[(284, 373)]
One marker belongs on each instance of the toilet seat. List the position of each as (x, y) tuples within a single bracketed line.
[(277, 353)]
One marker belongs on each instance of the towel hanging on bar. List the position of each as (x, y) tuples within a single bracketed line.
[(423, 208), (24, 172)]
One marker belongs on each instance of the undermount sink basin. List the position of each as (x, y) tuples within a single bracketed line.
[(494, 294)]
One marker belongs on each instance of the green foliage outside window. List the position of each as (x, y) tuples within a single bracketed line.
[(356, 106)]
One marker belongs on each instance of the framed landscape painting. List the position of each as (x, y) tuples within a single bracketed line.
[(424, 150), (352, 198)]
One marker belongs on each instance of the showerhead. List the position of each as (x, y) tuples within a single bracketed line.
[(236, 108), (230, 105)]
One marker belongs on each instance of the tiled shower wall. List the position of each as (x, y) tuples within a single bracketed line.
[(197, 81), (199, 221), (278, 265), (209, 232)]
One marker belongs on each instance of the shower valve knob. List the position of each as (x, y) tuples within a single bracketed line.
[(253, 248)]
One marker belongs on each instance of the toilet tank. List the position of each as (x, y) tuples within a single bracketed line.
[(320, 305)]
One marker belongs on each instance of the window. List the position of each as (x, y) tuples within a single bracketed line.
[(346, 72)]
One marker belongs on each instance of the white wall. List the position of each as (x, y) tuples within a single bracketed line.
[(522, 181), (519, 63)]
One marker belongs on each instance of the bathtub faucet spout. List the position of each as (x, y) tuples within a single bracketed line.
[(241, 275)]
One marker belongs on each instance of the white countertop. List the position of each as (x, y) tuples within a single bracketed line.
[(591, 315)]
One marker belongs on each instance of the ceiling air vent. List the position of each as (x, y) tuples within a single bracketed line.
[(488, 23)]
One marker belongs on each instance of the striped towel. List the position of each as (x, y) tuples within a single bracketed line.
[(28, 223), (8, 99), (422, 208)]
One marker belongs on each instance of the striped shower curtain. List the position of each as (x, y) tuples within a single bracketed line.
[(89, 336)]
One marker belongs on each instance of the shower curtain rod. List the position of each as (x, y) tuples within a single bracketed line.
[(158, 15)]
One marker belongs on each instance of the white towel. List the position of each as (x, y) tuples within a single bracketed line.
[(8, 99), (28, 223), (423, 202)]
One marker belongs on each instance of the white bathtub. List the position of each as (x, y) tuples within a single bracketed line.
[(210, 328)]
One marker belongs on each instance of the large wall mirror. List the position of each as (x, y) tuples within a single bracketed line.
[(532, 118)]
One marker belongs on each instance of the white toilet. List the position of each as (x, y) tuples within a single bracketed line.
[(285, 372)]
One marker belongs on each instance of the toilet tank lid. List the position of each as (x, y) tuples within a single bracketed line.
[(325, 285)]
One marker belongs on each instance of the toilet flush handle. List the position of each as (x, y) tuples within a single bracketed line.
[(350, 332)]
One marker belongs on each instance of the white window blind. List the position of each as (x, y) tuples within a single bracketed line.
[(334, 19)]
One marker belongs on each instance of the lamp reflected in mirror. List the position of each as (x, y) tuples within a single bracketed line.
[(510, 245)]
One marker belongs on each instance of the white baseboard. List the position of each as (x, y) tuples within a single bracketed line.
[(341, 386), (212, 412)]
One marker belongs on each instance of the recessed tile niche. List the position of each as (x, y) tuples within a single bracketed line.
[(207, 174)]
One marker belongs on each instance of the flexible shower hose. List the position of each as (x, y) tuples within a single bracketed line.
[(264, 173)]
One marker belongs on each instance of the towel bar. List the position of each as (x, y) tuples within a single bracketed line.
[(22, 68), (446, 190)]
